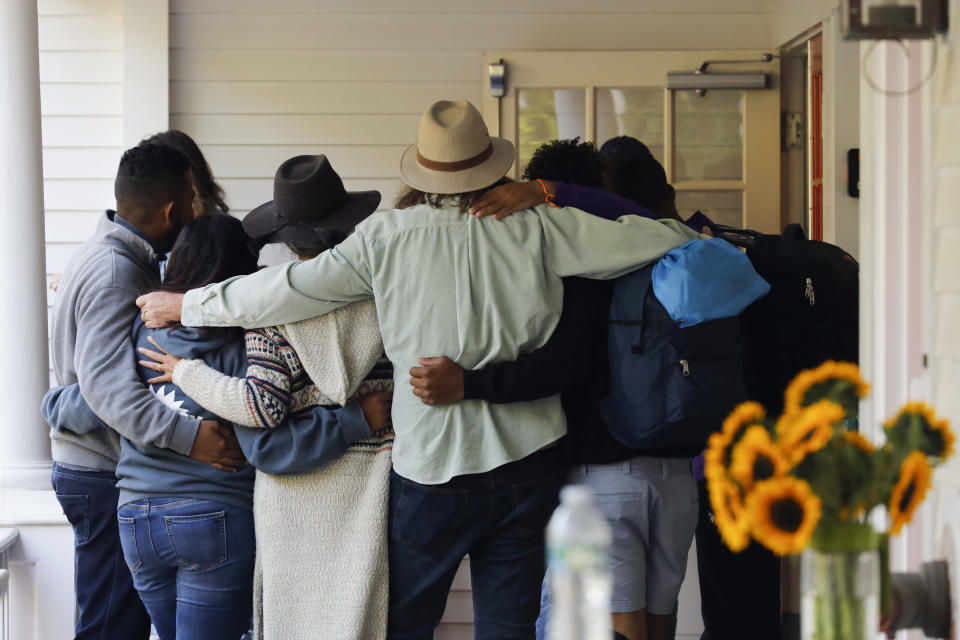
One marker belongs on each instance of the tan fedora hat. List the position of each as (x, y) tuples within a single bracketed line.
[(454, 153)]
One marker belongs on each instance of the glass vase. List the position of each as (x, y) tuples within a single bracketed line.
[(840, 587)]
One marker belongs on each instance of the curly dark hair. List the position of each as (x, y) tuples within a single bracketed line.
[(569, 161)]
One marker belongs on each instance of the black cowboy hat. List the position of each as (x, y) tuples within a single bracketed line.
[(308, 199)]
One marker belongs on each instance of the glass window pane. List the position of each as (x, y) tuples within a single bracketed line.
[(708, 134), (548, 114), (723, 207), (631, 112)]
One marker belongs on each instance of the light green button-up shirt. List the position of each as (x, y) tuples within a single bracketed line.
[(447, 283)]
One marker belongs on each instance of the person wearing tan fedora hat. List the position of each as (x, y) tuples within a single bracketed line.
[(454, 153), (472, 478)]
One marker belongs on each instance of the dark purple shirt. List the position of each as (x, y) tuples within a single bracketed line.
[(610, 206)]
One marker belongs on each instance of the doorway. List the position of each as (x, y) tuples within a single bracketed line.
[(720, 149)]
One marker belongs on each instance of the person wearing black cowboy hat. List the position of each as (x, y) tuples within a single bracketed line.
[(472, 478), (324, 361), (310, 206)]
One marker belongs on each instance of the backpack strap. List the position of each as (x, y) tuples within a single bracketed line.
[(629, 302)]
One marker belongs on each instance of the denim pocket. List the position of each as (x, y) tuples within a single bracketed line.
[(77, 512), (128, 542), (423, 516), (199, 541)]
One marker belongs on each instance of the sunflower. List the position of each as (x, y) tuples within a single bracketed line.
[(713, 466), (756, 458), (809, 430), (838, 380), (856, 439), (729, 514), (783, 513), (716, 456), (937, 437), (745, 413), (910, 490)]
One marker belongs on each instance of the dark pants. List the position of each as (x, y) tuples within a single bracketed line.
[(498, 518), (109, 606), (192, 563), (739, 592)]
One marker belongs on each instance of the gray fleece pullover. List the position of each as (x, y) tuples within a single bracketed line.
[(92, 343)]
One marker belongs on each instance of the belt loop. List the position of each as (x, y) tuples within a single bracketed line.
[(665, 468), (627, 467), (585, 468)]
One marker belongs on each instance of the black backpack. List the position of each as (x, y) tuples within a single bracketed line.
[(809, 316)]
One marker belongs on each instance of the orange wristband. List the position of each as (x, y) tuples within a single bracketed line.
[(546, 194)]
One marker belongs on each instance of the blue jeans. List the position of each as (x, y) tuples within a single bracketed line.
[(498, 518), (544, 609), (192, 563), (109, 608)]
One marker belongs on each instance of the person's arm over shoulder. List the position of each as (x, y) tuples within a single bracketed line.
[(307, 442), (578, 244), (105, 361), (564, 362), (286, 293), (598, 202), (64, 409)]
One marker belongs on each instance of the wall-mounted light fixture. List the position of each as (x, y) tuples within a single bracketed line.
[(893, 19), (498, 78)]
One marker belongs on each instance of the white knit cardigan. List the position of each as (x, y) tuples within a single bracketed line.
[(321, 568)]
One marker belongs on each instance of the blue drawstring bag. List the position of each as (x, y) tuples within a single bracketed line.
[(706, 279)]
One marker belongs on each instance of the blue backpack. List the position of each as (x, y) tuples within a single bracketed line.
[(675, 348)]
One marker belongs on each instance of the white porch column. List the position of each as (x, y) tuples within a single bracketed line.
[(24, 440)]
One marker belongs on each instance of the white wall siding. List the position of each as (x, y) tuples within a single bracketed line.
[(81, 95), (257, 83), (946, 234), (944, 225)]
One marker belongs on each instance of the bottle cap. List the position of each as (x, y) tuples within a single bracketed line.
[(576, 494)]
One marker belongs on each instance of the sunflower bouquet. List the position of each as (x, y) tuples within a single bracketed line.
[(808, 478)]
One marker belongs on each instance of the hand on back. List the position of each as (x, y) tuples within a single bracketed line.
[(437, 381), (217, 446), (163, 362), (376, 408)]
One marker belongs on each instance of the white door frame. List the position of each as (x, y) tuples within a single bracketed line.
[(895, 133), (566, 69)]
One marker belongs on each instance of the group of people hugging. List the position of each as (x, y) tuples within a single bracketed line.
[(316, 446)]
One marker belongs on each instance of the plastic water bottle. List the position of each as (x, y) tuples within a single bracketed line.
[(578, 561)]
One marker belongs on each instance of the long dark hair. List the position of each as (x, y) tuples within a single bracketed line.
[(411, 197), (209, 194), (209, 249)]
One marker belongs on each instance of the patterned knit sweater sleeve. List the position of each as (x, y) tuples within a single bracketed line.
[(261, 399)]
